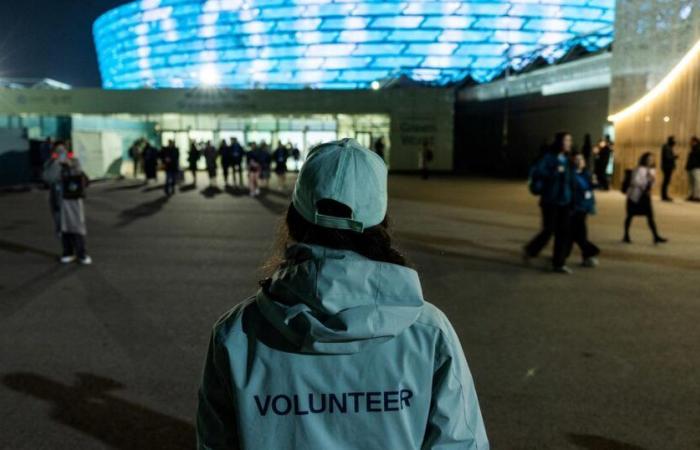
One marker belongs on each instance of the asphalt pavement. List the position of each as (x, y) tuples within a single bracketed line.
[(108, 356)]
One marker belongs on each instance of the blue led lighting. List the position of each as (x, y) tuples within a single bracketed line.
[(325, 44)]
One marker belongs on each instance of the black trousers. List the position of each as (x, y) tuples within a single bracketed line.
[(237, 168), (556, 221), (225, 168), (668, 174), (579, 236), (73, 244)]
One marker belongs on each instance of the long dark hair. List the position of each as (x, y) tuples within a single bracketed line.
[(644, 159), (558, 144), (374, 243)]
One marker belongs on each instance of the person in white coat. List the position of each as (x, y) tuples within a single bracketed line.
[(639, 197), (64, 175)]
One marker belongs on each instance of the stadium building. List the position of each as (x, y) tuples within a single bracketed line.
[(481, 82)]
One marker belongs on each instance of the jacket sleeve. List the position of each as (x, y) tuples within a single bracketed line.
[(454, 421), (216, 415)]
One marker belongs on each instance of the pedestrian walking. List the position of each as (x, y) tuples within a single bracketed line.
[(638, 188), (150, 162), (280, 156), (552, 179), (265, 160), (338, 349), (296, 155), (135, 154), (67, 183), (193, 155), (587, 149), (601, 163), (692, 167), (380, 147), (210, 156), (226, 155), (668, 166), (170, 155), (584, 205), (237, 155), (253, 161)]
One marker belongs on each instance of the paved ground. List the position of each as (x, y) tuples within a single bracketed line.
[(108, 356)]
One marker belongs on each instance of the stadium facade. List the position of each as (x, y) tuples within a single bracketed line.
[(282, 44)]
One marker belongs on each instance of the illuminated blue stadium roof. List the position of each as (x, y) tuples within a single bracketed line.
[(337, 43)]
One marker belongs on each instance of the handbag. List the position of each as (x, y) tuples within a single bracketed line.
[(74, 186)]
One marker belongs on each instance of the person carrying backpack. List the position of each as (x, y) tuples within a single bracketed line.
[(67, 182), (338, 349), (552, 179)]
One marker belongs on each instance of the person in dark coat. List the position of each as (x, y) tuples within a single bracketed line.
[(237, 155), (584, 205), (170, 155), (226, 155), (193, 155), (380, 147), (692, 166), (135, 155), (150, 162), (210, 155), (668, 165), (639, 197), (265, 160), (554, 173), (280, 156), (254, 159), (601, 162), (587, 149)]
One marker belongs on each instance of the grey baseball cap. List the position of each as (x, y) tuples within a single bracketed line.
[(348, 173)]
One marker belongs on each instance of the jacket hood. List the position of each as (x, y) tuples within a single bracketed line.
[(337, 302)]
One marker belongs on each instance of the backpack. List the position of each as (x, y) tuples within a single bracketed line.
[(535, 181), (626, 181)]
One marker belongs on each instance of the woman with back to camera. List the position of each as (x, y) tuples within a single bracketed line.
[(639, 197), (338, 349)]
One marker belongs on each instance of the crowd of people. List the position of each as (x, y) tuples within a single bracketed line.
[(565, 185), (258, 160)]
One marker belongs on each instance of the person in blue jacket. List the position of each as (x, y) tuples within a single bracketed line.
[(553, 180), (584, 205), (338, 349)]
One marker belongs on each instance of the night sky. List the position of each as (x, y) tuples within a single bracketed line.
[(51, 39)]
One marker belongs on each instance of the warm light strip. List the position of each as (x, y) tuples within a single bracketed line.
[(660, 88)]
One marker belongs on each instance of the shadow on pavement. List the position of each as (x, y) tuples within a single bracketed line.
[(141, 211), (210, 192), (18, 296), (13, 247), (126, 187), (188, 187), (236, 191), (593, 442), (90, 407), (272, 206), (157, 187)]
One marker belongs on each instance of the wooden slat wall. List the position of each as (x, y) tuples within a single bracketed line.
[(646, 129)]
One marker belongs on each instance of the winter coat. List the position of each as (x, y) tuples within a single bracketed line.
[(69, 214), (339, 352)]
